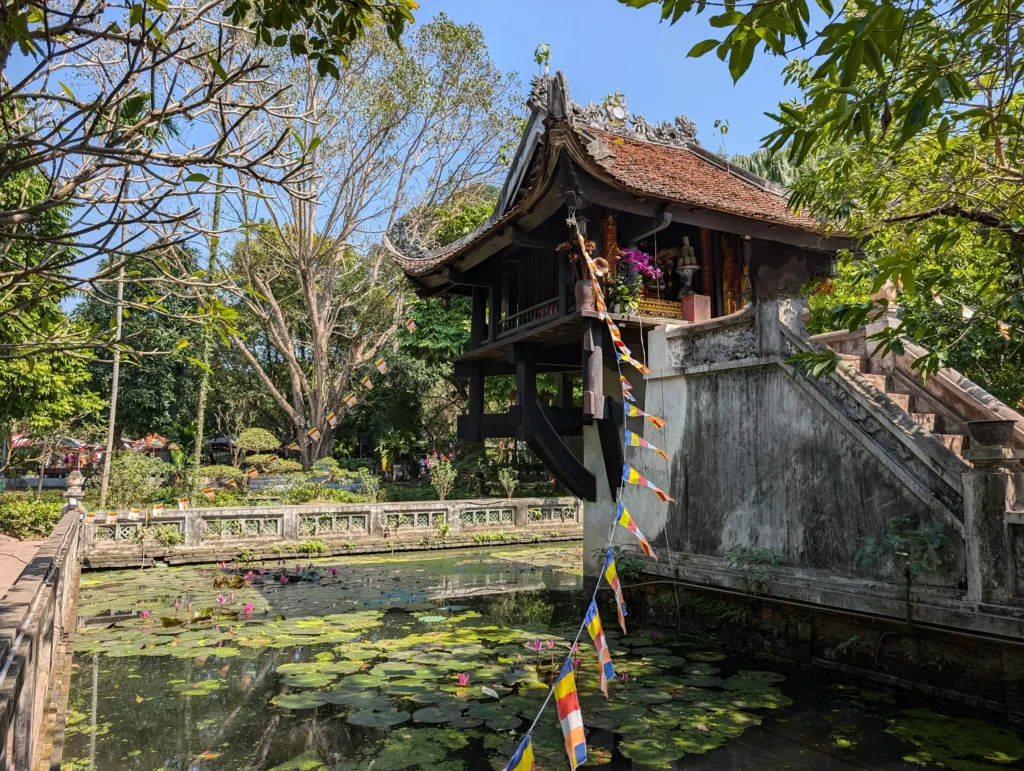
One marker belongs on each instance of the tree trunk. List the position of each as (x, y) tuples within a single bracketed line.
[(114, 384), (42, 473)]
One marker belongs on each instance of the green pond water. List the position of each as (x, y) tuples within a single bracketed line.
[(358, 669)]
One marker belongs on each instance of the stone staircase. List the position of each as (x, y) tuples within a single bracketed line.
[(935, 424)]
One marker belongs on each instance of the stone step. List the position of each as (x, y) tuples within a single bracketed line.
[(926, 420), (878, 381), (952, 442), (852, 360), (902, 401)]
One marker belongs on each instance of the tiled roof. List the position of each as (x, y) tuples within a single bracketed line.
[(683, 175)]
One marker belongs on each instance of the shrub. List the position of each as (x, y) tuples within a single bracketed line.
[(327, 466), (222, 498), (508, 478), (222, 473), (339, 496), (28, 519), (134, 478), (353, 464), (169, 536), (299, 494), (442, 477), (169, 495), (257, 440), (308, 547), (284, 467), (371, 485)]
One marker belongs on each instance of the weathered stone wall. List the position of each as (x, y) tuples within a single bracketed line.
[(214, 534)]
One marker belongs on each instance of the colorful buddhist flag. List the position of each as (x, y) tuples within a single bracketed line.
[(1004, 329), (272, 459), (381, 365), (314, 434), (332, 419), (251, 472), (523, 759), (611, 575), (232, 483), (350, 400), (604, 657), (616, 336), (636, 412), (626, 385), (210, 493), (293, 446), (569, 715), (90, 517), (627, 522), (410, 325), (182, 502), (937, 299), (111, 517), (631, 476), (624, 356), (158, 509), (635, 440), (367, 383), (966, 313), (133, 514)]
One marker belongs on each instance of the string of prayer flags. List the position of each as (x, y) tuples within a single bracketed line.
[(567, 703), (350, 400), (367, 383), (626, 385), (636, 412), (631, 476), (641, 368), (523, 759), (1004, 329), (210, 493), (604, 658), (251, 472), (111, 517), (133, 514), (272, 459), (627, 522), (611, 575), (314, 434), (410, 325), (635, 440), (381, 365), (182, 502), (158, 509), (90, 517), (293, 446), (332, 419), (395, 345), (232, 483), (613, 330), (966, 312)]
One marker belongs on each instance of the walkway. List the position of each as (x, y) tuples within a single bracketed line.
[(14, 556)]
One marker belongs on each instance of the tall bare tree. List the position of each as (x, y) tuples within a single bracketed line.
[(399, 134)]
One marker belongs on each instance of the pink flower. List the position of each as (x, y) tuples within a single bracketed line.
[(249, 577), (247, 607), (222, 565), (535, 646), (231, 597), (234, 567), (144, 614), (463, 679), (262, 571), (625, 676), (177, 605), (284, 579), (221, 599), (333, 572), (576, 647), (298, 568), (577, 663), (551, 645)]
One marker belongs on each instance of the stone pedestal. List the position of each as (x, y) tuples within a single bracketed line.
[(697, 307)]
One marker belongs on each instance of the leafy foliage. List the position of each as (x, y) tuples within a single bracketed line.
[(508, 478), (257, 440), (442, 477), (134, 478), (28, 519), (755, 564)]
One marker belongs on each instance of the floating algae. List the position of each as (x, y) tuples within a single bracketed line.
[(960, 744)]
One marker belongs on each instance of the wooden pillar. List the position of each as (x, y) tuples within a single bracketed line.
[(564, 390), (478, 319), (476, 401), (494, 306), (593, 369), (512, 292), (526, 386), (563, 283)]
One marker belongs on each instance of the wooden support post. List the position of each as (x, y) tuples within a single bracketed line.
[(593, 369), (526, 386), (512, 292), (475, 432), (563, 282), (564, 390), (494, 306), (478, 319)]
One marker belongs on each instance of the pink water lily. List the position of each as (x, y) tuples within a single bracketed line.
[(535, 646), (575, 647), (333, 572), (234, 567), (463, 679), (247, 608), (576, 664), (231, 597), (550, 644), (144, 614), (262, 571), (284, 579), (298, 568), (222, 565), (625, 676), (221, 599)]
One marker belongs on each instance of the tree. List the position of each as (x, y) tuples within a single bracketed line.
[(400, 132), (912, 114), (94, 102), (257, 440)]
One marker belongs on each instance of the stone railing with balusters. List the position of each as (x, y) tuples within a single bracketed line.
[(220, 532)]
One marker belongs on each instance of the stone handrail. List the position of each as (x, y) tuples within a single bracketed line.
[(34, 619), (351, 522)]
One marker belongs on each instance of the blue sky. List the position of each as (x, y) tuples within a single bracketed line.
[(602, 45)]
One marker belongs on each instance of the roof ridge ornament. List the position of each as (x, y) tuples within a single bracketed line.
[(610, 116)]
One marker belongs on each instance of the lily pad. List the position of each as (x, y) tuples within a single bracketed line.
[(378, 718), (301, 700), (435, 715)]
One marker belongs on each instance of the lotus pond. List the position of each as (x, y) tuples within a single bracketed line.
[(380, 663)]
